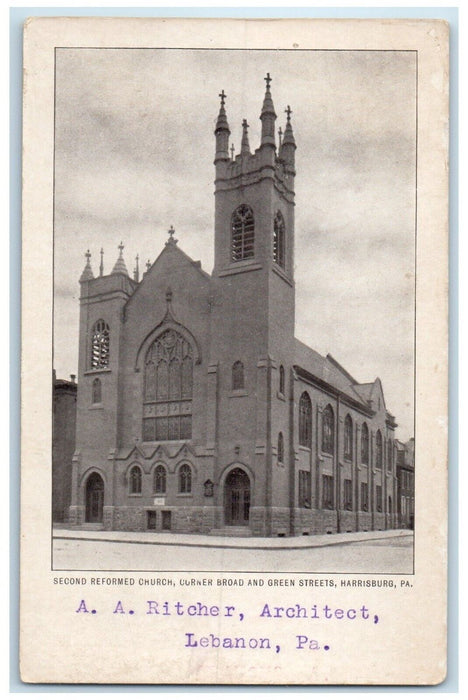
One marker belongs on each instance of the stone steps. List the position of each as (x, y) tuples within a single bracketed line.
[(232, 531), (91, 526)]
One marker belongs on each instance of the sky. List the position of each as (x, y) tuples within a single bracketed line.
[(134, 150)]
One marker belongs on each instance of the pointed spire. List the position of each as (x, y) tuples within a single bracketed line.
[(87, 273), (245, 146), (136, 271), (289, 144), (288, 132), (101, 265), (268, 116), (120, 266), (171, 240), (222, 131)]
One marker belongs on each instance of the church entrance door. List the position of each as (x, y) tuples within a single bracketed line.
[(94, 499), (237, 498)]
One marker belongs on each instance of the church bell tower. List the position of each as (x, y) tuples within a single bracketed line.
[(253, 301)]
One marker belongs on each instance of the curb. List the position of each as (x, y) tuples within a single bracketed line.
[(236, 545)]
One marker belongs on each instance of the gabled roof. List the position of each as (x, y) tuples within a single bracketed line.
[(329, 371), (365, 390), (172, 246)]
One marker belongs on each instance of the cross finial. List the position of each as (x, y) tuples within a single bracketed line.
[(244, 124), (171, 238), (268, 81), (232, 151), (288, 111), (88, 255), (121, 247), (223, 96)]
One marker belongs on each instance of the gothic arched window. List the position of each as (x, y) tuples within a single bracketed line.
[(97, 390), (348, 437), (305, 420), (378, 450), (185, 479), (278, 240), (168, 386), (280, 448), (242, 234), (135, 480), (390, 454), (365, 444), (238, 375), (328, 430), (100, 345), (160, 479), (281, 380)]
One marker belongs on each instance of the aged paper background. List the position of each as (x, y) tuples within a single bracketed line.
[(408, 646)]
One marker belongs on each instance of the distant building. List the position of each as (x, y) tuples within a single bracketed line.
[(63, 445), (198, 410), (405, 475)]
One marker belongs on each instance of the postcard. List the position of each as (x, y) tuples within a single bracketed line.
[(234, 351)]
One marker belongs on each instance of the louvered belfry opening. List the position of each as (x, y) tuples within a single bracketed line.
[(243, 234)]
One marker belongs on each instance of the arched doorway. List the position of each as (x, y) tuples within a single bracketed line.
[(94, 498), (237, 498)]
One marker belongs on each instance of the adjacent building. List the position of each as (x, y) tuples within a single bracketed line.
[(405, 476), (63, 445)]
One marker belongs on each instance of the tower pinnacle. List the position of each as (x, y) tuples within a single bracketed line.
[(87, 273), (222, 131), (245, 146), (268, 116), (136, 271), (120, 266), (289, 144)]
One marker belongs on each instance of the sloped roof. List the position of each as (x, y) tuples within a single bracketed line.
[(172, 246), (328, 370), (365, 390)]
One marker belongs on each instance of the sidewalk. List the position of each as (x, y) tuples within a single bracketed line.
[(172, 539)]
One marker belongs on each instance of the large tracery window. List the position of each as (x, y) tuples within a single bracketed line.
[(168, 386), (242, 234), (278, 240), (100, 345)]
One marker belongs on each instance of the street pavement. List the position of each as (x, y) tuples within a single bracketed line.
[(389, 552)]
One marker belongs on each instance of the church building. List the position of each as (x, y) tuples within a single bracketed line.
[(197, 409)]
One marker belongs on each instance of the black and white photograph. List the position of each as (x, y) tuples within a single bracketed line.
[(234, 310), (234, 352)]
